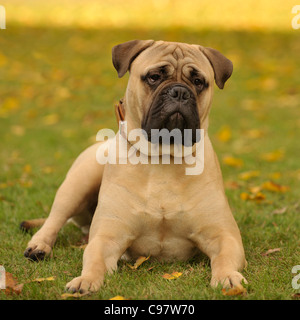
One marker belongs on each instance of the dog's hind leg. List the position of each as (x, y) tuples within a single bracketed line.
[(26, 225)]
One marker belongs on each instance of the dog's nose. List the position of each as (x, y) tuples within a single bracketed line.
[(179, 93)]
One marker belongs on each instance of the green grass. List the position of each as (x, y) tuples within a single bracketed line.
[(58, 88)]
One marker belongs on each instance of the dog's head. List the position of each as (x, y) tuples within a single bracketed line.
[(170, 84)]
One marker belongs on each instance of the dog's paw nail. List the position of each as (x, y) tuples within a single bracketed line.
[(27, 252)]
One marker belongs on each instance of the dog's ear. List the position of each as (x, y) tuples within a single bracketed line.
[(123, 54), (222, 66)]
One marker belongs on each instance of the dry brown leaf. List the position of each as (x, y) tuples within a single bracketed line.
[(12, 285), (138, 262), (172, 276), (235, 291), (270, 251), (233, 185), (280, 211), (271, 186)]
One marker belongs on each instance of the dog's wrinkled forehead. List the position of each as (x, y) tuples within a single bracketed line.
[(177, 59), (142, 54)]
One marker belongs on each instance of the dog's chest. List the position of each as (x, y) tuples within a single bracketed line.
[(164, 231)]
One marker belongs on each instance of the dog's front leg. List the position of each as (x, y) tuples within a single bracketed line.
[(101, 255), (227, 260), (75, 195)]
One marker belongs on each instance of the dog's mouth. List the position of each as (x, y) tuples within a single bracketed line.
[(173, 110)]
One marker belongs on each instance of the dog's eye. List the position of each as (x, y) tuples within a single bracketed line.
[(198, 83), (154, 78)]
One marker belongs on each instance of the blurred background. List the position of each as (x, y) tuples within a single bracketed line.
[(58, 86)]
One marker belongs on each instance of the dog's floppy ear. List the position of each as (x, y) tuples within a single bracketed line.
[(222, 66), (123, 54)]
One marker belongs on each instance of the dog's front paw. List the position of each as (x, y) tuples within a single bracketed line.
[(84, 284), (230, 280), (37, 250)]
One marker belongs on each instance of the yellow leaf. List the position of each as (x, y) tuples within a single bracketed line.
[(138, 262), (43, 279), (232, 161), (172, 276), (73, 295), (235, 291), (48, 169), (244, 196), (275, 175), (3, 59), (249, 174), (273, 156), (27, 168), (224, 134), (255, 189), (50, 119), (258, 197), (17, 130), (254, 133), (271, 186), (118, 298)]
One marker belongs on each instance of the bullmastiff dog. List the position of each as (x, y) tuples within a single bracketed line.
[(157, 210)]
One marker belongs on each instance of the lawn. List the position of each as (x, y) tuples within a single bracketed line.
[(58, 88)]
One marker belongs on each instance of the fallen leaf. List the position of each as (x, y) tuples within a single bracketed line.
[(280, 211), (272, 156), (235, 291), (172, 276), (249, 175), (270, 251), (224, 134), (255, 189), (17, 130), (233, 185), (258, 197), (254, 133), (73, 295), (271, 186), (12, 285), (275, 175), (118, 298), (43, 279), (150, 269), (27, 169), (50, 119), (138, 262), (233, 162)]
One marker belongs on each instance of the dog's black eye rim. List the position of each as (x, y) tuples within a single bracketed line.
[(153, 78)]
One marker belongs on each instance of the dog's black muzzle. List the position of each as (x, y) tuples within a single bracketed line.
[(174, 107)]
